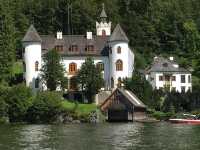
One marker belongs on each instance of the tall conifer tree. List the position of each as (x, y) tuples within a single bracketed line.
[(7, 40)]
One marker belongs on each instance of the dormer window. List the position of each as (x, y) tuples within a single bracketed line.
[(90, 48), (73, 48), (165, 64), (59, 48)]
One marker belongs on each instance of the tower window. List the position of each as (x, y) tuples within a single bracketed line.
[(119, 65), (24, 66), (72, 68), (112, 82), (119, 82), (36, 66), (37, 81), (103, 32), (119, 50)]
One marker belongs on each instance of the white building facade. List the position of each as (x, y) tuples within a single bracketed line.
[(166, 74), (110, 51)]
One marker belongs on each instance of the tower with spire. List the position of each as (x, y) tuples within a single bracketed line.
[(121, 57), (103, 27), (32, 44)]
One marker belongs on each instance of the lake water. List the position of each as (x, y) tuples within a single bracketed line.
[(127, 136)]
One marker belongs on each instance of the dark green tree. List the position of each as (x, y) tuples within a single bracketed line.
[(18, 99), (90, 79), (138, 85), (7, 40), (52, 71)]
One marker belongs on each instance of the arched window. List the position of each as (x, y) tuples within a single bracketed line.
[(24, 66), (36, 66), (112, 82), (72, 68), (103, 32), (37, 81), (119, 82), (119, 65), (119, 49), (100, 66)]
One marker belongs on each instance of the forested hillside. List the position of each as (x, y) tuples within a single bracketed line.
[(166, 27)]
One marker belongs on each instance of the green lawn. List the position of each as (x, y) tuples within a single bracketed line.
[(79, 108)]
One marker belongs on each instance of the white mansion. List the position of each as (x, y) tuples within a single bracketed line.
[(166, 73), (110, 50)]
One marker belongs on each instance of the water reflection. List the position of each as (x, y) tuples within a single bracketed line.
[(136, 136), (34, 137)]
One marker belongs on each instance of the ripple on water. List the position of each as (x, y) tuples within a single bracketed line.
[(118, 136)]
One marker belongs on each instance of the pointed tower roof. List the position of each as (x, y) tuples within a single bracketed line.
[(118, 35), (32, 35), (103, 13)]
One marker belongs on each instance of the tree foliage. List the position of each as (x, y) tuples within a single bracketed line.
[(52, 70), (138, 85), (19, 99), (7, 40), (46, 106), (90, 79)]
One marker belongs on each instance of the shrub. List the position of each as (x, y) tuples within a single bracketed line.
[(161, 115), (19, 99), (3, 108), (3, 105), (46, 106)]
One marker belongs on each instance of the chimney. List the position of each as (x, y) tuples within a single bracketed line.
[(59, 35), (171, 58), (89, 35)]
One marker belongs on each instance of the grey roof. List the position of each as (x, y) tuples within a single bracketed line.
[(132, 98), (100, 44), (32, 35), (161, 64), (118, 35), (103, 13)]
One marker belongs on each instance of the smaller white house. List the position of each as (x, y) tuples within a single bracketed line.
[(166, 73)]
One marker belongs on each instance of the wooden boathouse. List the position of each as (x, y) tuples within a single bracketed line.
[(123, 105)]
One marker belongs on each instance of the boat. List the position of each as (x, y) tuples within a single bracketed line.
[(191, 119)]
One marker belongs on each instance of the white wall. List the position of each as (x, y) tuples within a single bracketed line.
[(32, 54), (128, 61), (177, 84), (103, 26), (80, 60)]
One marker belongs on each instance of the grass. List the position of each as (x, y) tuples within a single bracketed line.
[(18, 67), (79, 108)]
